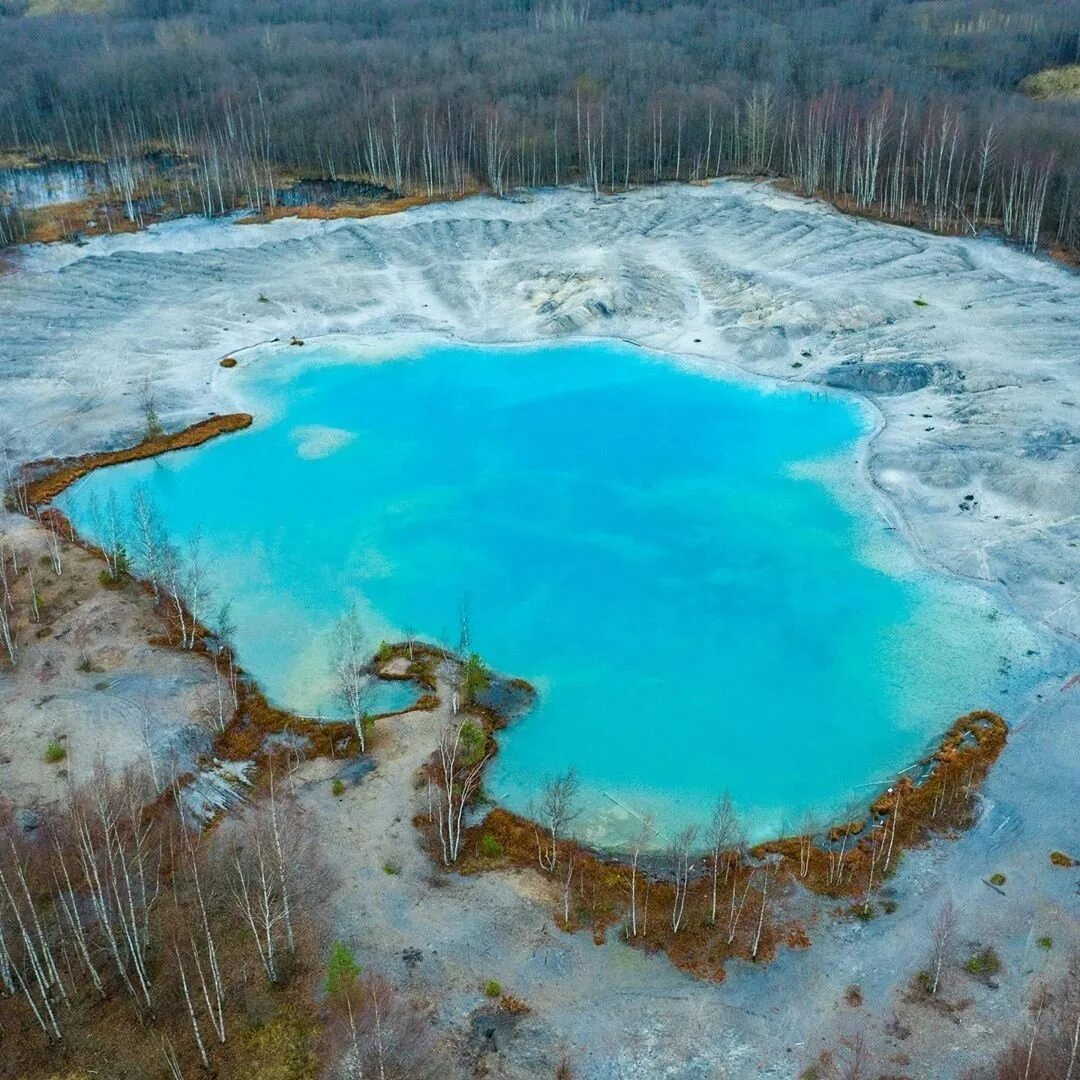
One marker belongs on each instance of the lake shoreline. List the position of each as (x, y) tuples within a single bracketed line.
[(51, 477), (47, 478), (1025, 807)]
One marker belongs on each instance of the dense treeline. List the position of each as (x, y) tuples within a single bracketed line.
[(906, 109)]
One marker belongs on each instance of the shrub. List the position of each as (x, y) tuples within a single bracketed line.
[(342, 969), (490, 847), (853, 996), (55, 751), (1059, 858), (338, 787), (474, 678), (997, 879), (280, 1049), (920, 302), (1046, 943), (493, 988), (473, 741), (984, 964), (152, 428)]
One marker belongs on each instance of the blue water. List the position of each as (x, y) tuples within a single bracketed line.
[(686, 567)]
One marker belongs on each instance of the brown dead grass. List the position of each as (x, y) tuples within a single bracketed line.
[(848, 862), (353, 210), (87, 217), (51, 477)]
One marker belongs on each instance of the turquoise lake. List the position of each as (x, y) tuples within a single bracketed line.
[(687, 567)]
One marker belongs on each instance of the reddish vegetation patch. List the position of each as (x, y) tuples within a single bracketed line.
[(87, 217), (58, 475), (756, 891), (352, 210)]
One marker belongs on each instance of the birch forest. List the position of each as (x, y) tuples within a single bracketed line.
[(909, 111)]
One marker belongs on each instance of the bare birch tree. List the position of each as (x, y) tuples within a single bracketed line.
[(7, 606), (639, 844), (458, 767), (680, 854), (722, 833), (942, 942), (557, 809), (351, 668)]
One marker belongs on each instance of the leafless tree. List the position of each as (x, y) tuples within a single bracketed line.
[(723, 832), (7, 606), (557, 809), (1040, 1000), (149, 543), (256, 890), (36, 974), (680, 854), (458, 768), (566, 888), (942, 942), (836, 858), (120, 862), (351, 667), (735, 914), (639, 843), (761, 913), (107, 525), (52, 541), (806, 843), (384, 1036), (857, 1063)]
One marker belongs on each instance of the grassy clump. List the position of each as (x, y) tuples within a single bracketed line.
[(55, 751), (493, 988), (984, 964), (473, 742), (1045, 943), (280, 1049), (997, 879), (342, 970), (1059, 858), (490, 847), (391, 868), (338, 787)]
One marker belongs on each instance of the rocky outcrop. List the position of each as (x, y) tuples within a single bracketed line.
[(890, 378)]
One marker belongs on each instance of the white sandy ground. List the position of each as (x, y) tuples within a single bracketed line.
[(88, 678), (980, 391)]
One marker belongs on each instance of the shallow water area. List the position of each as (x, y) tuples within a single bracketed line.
[(688, 568)]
